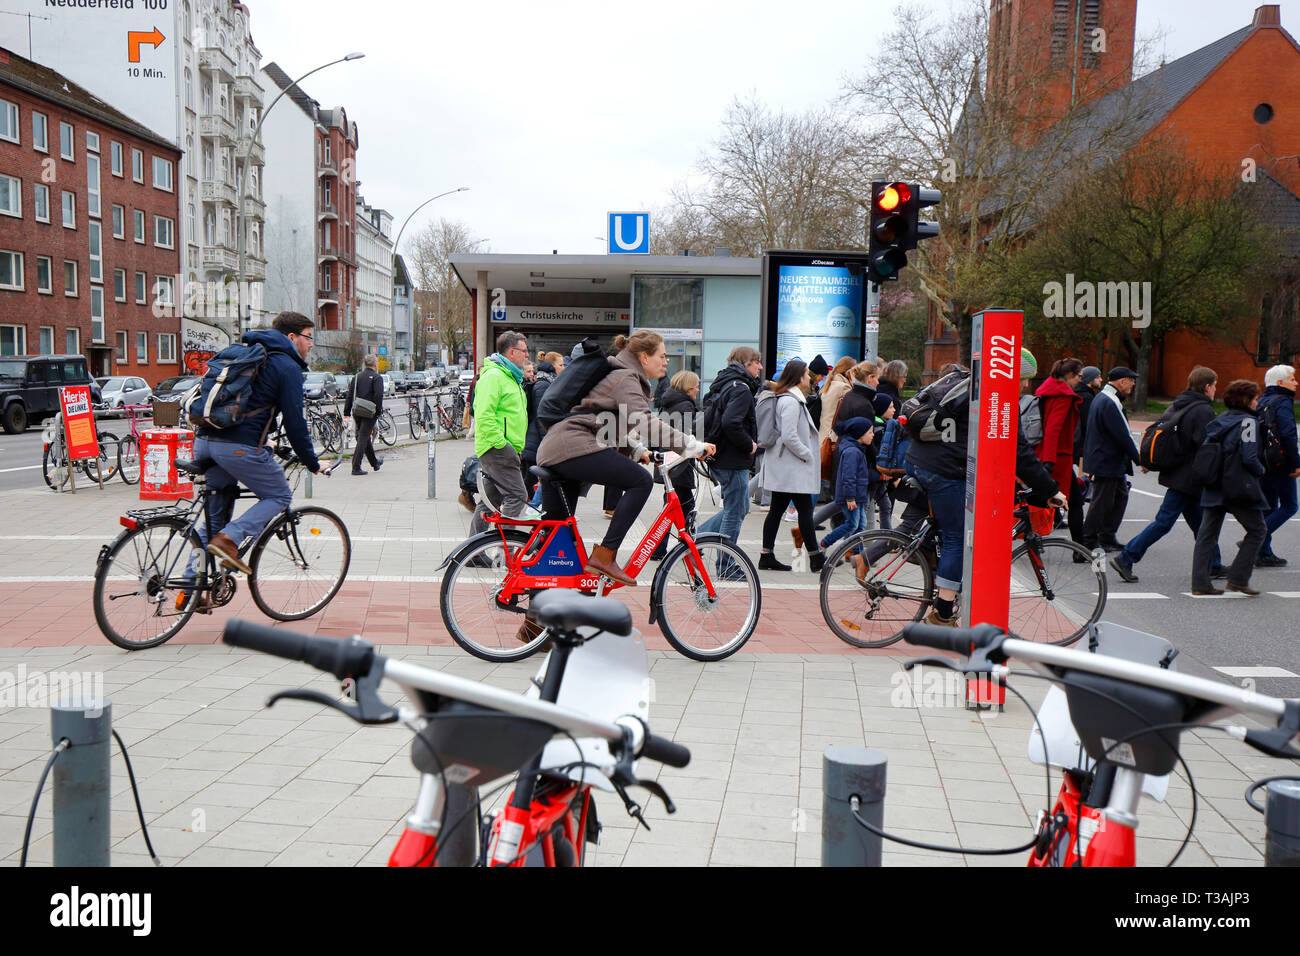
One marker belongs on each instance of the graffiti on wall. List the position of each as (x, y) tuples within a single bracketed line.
[(199, 342)]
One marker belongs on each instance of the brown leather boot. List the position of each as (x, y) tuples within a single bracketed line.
[(603, 561)]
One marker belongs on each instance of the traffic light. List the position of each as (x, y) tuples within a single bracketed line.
[(895, 227)]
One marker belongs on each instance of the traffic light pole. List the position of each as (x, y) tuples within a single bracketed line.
[(872, 337)]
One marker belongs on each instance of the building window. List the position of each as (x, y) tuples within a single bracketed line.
[(121, 347), (119, 222), (96, 252), (119, 285), (137, 165), (41, 202), (1091, 23), (115, 157), (13, 340), (165, 289), (70, 277), (11, 270), (189, 222), (92, 142), (92, 185), (167, 347), (65, 140), (9, 121), (139, 225), (96, 313), (44, 279), (69, 209), (47, 340), (163, 232), (40, 133), (72, 342), (141, 296), (162, 174), (142, 348), (11, 195)]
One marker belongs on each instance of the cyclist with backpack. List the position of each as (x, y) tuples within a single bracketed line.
[(1281, 457), (791, 463), (236, 448), (1183, 425), (1230, 466)]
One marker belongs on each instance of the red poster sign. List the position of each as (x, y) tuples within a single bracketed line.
[(79, 422)]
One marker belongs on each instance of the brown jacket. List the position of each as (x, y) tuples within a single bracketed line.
[(625, 392), (831, 395)]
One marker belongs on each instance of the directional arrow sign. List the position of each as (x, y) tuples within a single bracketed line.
[(136, 38)]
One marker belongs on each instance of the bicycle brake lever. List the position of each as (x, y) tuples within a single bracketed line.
[(368, 709), (966, 666), (1276, 741)]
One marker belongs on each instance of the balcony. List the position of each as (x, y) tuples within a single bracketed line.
[(253, 149), (217, 60), (254, 269), (216, 126), (327, 297), (337, 253), (216, 257), (254, 208), (327, 167), (247, 88), (327, 211), (214, 191)]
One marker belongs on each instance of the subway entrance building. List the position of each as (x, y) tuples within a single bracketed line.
[(703, 306)]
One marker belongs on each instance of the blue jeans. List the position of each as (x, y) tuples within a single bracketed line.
[(259, 472), (1280, 493), (948, 502), (854, 521), (1175, 503), (735, 503)]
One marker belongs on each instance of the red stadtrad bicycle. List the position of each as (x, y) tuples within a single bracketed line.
[(705, 595)]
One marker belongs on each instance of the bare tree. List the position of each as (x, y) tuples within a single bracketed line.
[(451, 311)]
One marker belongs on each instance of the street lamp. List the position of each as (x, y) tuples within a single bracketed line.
[(240, 179)]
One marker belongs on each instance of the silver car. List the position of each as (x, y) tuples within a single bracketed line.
[(120, 390)]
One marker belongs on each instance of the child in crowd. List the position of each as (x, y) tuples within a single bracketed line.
[(853, 479)]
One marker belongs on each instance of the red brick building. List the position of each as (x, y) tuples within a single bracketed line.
[(336, 239), (89, 225), (1231, 102)]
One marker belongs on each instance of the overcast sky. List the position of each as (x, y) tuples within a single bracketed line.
[(555, 113)]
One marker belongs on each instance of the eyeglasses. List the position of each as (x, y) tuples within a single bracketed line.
[(301, 336)]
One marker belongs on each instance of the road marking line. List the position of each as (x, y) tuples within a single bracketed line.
[(1214, 597), (1149, 494), (1285, 594), (20, 468), (1256, 672), (1136, 596)]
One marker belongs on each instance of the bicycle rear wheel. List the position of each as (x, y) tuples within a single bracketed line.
[(299, 563), (867, 604), (701, 627), (128, 460), (105, 463), (472, 579), (141, 597), (416, 422), (1070, 595), (54, 466), (386, 428)]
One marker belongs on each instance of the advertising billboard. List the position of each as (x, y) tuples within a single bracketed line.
[(813, 303)]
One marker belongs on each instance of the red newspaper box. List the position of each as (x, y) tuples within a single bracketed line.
[(159, 449)]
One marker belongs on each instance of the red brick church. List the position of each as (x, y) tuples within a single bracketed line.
[(1233, 100)]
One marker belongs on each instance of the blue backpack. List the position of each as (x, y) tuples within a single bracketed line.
[(222, 396), (893, 448)]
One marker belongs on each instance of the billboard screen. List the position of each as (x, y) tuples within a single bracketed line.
[(813, 304)]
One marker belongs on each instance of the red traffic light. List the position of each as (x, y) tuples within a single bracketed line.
[(893, 196)]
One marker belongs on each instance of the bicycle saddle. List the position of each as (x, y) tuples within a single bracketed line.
[(566, 610), (196, 466), (545, 474)]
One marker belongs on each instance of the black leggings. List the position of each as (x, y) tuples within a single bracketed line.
[(606, 467), (772, 523)]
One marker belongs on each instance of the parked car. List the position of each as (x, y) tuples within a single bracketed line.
[(441, 374), (29, 387), (344, 382), (119, 390), (174, 388), (466, 378), (412, 381), (320, 385), (390, 383)]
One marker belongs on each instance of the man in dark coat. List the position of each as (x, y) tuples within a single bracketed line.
[(735, 433), (369, 386), (1277, 405), (817, 371), (545, 374), (1183, 494), (1109, 455), (1089, 385)]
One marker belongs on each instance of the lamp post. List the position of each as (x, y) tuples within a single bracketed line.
[(396, 252), (241, 180)]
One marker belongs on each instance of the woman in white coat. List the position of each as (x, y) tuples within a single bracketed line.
[(792, 466)]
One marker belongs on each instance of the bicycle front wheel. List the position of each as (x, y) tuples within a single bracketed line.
[(469, 599), (128, 460), (700, 626), (386, 429), (416, 422), (299, 563), (54, 465), (874, 583), (105, 463), (141, 595), (1057, 591)]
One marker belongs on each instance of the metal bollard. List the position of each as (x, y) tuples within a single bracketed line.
[(1282, 819), (847, 772), (82, 781), (433, 460)]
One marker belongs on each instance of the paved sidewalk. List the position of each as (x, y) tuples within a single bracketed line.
[(226, 782)]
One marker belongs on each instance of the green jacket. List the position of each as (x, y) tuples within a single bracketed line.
[(500, 410)]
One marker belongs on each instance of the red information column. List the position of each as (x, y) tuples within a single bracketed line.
[(991, 478)]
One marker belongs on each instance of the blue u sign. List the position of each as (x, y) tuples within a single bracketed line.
[(629, 232)]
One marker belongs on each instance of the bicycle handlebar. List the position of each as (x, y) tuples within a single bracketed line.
[(960, 640), (665, 751), (350, 658)]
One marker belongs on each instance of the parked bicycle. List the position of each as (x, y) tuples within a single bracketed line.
[(386, 428), (419, 415), (1129, 718), (325, 424), (451, 420), (705, 595), (128, 449), (875, 582), (152, 579), (54, 456), (585, 727)]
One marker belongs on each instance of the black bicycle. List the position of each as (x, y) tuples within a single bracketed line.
[(152, 579)]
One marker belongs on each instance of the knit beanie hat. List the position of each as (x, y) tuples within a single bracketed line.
[(881, 404), (855, 428)]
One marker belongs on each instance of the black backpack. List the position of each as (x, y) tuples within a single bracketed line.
[(1165, 443), (947, 398), (1272, 452), (221, 399), (469, 474), (713, 406), (572, 385)]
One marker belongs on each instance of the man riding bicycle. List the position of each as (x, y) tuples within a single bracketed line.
[(239, 452)]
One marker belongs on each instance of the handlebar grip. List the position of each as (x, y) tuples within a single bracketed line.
[(665, 751), (348, 658), (959, 640)]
